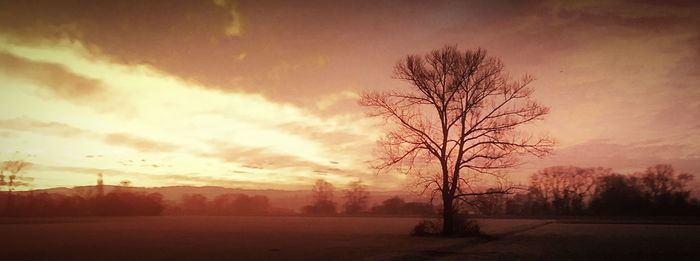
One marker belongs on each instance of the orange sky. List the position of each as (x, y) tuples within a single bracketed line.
[(262, 94)]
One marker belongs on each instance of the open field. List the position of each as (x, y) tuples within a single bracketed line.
[(560, 241), (333, 238)]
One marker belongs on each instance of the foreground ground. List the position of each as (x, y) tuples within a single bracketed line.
[(305, 238)]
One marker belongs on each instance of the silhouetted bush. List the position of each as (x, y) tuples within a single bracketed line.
[(464, 226)]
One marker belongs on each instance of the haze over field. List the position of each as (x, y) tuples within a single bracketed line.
[(258, 94)]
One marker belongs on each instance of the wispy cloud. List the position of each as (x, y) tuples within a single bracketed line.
[(28, 125), (235, 27), (138, 143)]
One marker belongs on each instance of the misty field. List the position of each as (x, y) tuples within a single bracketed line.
[(332, 238)]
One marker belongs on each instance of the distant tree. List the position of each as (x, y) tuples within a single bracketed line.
[(100, 187), (390, 206), (194, 204), (419, 209), (566, 188), (122, 202), (222, 204), (11, 178), (255, 205), (397, 206), (619, 195), (322, 199), (661, 180), (356, 197), (655, 191), (489, 204), (523, 204), (11, 174), (239, 205), (460, 115), (665, 190)]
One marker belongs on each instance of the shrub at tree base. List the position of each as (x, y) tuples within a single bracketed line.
[(427, 227), (463, 227)]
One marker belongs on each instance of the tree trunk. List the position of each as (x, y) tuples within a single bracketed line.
[(447, 216), (9, 204)]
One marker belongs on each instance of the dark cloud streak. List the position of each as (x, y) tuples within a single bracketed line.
[(56, 78)]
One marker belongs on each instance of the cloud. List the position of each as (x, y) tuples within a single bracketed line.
[(192, 42), (84, 170), (188, 28), (621, 157), (29, 125), (195, 179), (174, 110), (138, 143), (235, 27), (139, 178), (48, 175), (257, 158), (282, 70), (55, 78), (326, 101)]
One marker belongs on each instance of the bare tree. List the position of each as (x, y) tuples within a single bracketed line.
[(566, 188), (100, 187), (11, 178), (10, 174), (322, 196), (459, 117), (356, 197), (661, 180)]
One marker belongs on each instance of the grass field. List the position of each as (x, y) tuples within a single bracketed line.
[(333, 238)]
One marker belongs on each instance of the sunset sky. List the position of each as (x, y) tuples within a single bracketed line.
[(263, 94)]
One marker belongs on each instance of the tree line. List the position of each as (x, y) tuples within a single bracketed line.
[(119, 202), (357, 203), (125, 200), (573, 191), (553, 191), (223, 205)]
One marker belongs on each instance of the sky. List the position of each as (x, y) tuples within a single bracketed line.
[(263, 94)]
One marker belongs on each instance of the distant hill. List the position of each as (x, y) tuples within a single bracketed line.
[(288, 199)]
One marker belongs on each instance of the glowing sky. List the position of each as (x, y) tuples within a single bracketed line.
[(262, 94)]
